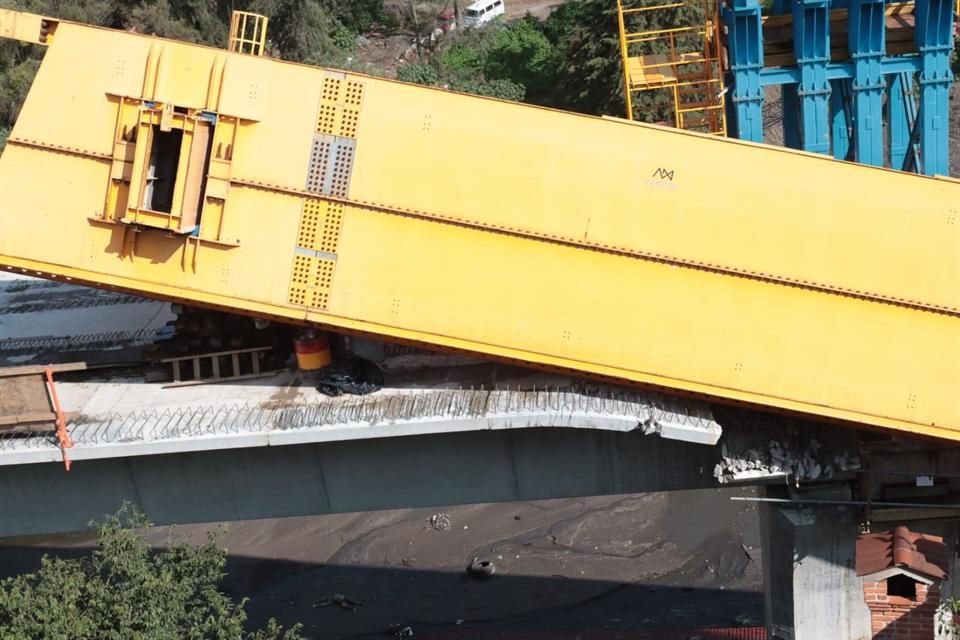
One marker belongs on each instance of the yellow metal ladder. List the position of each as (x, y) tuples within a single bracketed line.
[(684, 62)]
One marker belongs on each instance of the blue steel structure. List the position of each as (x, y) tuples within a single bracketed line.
[(836, 99)]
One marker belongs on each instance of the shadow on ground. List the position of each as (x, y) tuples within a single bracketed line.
[(352, 602)]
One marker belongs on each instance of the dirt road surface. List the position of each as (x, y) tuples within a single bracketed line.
[(538, 8), (590, 566)]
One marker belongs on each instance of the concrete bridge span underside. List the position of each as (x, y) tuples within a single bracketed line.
[(358, 475)]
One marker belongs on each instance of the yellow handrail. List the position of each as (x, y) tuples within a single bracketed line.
[(248, 33), (670, 58)]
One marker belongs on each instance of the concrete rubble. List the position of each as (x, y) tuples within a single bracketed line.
[(780, 458)]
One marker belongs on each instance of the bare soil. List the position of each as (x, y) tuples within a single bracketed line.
[(538, 8), (381, 54)]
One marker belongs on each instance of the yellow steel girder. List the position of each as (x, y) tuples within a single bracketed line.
[(660, 257)]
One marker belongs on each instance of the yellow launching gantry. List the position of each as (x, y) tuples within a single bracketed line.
[(603, 247)]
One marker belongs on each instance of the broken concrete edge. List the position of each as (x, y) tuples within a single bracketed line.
[(792, 459), (678, 430), (340, 433)]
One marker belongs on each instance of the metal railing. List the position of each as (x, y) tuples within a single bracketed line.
[(685, 61)]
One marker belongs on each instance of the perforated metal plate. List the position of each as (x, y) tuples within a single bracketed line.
[(331, 88), (322, 283), (317, 169), (342, 158), (327, 119), (339, 110), (311, 281), (320, 223), (328, 173), (315, 255), (331, 165)]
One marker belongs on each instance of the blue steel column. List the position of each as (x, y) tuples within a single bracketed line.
[(839, 114), (791, 120), (898, 128), (811, 42), (934, 38), (746, 60), (867, 44)]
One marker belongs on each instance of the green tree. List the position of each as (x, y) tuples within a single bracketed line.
[(311, 31), (511, 62), (590, 75), (157, 19), (15, 82), (500, 88), (301, 30), (523, 55), (569, 61), (585, 36), (418, 73), (125, 591), (464, 57), (358, 15)]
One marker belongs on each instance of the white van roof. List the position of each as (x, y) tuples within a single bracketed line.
[(480, 4)]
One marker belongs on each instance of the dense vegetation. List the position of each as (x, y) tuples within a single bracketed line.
[(310, 31), (528, 60), (124, 590), (569, 61)]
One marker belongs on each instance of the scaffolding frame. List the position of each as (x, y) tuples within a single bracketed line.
[(665, 60)]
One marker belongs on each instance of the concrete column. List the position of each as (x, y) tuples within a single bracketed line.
[(811, 590)]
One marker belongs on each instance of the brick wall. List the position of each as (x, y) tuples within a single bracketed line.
[(898, 618)]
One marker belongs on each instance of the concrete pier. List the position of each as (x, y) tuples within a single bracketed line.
[(812, 587)]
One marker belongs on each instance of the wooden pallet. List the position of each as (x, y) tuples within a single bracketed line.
[(26, 399), (29, 402)]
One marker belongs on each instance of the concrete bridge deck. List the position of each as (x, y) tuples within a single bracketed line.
[(276, 446), (226, 422)]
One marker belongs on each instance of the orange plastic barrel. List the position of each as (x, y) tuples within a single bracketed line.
[(313, 352)]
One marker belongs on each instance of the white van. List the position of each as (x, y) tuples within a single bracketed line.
[(482, 12)]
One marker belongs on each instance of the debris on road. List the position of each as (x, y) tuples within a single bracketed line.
[(342, 601), (481, 568), (358, 377), (440, 521)]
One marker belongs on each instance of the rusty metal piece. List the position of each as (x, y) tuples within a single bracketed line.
[(63, 437)]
